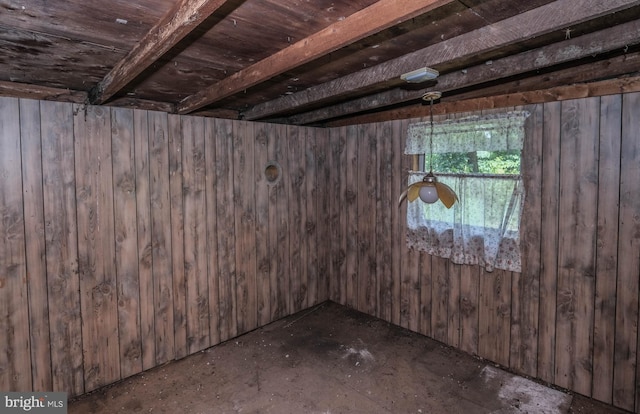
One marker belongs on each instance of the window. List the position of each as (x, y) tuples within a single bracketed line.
[(479, 158)]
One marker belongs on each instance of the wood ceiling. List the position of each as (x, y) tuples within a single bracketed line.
[(313, 62)]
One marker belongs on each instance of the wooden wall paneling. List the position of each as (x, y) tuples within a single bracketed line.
[(161, 236), (576, 249), (439, 276), (126, 241), (337, 197), (279, 224), (469, 308), (366, 202), (145, 246), (176, 195), (607, 247), (351, 209), (211, 183), (297, 217), (323, 213), (526, 285), (61, 246), (384, 221), (549, 201), (195, 233), (398, 217), (15, 360), (318, 216), (96, 245), (34, 224), (263, 256), (626, 338), (245, 218), (224, 170), (453, 308), (494, 315)]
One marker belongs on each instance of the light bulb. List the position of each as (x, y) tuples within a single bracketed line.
[(428, 194)]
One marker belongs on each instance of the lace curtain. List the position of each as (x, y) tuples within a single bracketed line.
[(483, 227)]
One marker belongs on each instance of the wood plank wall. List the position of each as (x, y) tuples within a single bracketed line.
[(131, 238), (571, 317)]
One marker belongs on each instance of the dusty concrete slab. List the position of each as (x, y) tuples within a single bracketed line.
[(329, 360)]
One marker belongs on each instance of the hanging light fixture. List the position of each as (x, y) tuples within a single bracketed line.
[(430, 190)]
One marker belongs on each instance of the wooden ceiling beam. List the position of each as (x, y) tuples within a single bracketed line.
[(588, 45), (28, 91), (505, 100), (379, 16), (183, 18), (556, 16)]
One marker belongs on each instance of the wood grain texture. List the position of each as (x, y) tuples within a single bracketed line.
[(145, 257), (96, 246), (61, 241), (34, 225), (14, 309), (607, 247), (626, 338), (263, 258), (317, 215), (576, 249), (126, 241), (297, 217)]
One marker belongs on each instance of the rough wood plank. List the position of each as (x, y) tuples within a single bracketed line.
[(96, 246), (126, 241), (377, 17), (29, 91), (453, 306), (526, 285), (145, 247), (224, 170), (607, 247), (184, 17), (195, 233), (532, 23), (244, 212), (576, 250), (34, 225), (398, 219), (318, 215), (263, 258), (279, 225), (176, 138), (338, 142), (15, 358), (626, 340), (384, 220), (298, 283), (494, 315), (351, 206), (440, 278), (469, 304), (366, 203), (324, 251), (212, 254), (549, 233), (61, 241), (161, 236)]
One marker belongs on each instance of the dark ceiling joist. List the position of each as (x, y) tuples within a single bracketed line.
[(522, 93), (589, 45), (185, 16), (379, 16), (556, 16), (28, 91)]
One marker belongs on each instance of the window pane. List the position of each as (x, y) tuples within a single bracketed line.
[(479, 162)]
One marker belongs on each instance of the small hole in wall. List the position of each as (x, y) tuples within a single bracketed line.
[(272, 172)]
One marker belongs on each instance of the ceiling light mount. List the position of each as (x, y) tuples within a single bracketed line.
[(420, 75)]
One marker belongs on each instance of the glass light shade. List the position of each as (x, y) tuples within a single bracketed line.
[(428, 194)]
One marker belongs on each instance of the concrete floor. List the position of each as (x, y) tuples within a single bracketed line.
[(330, 360)]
